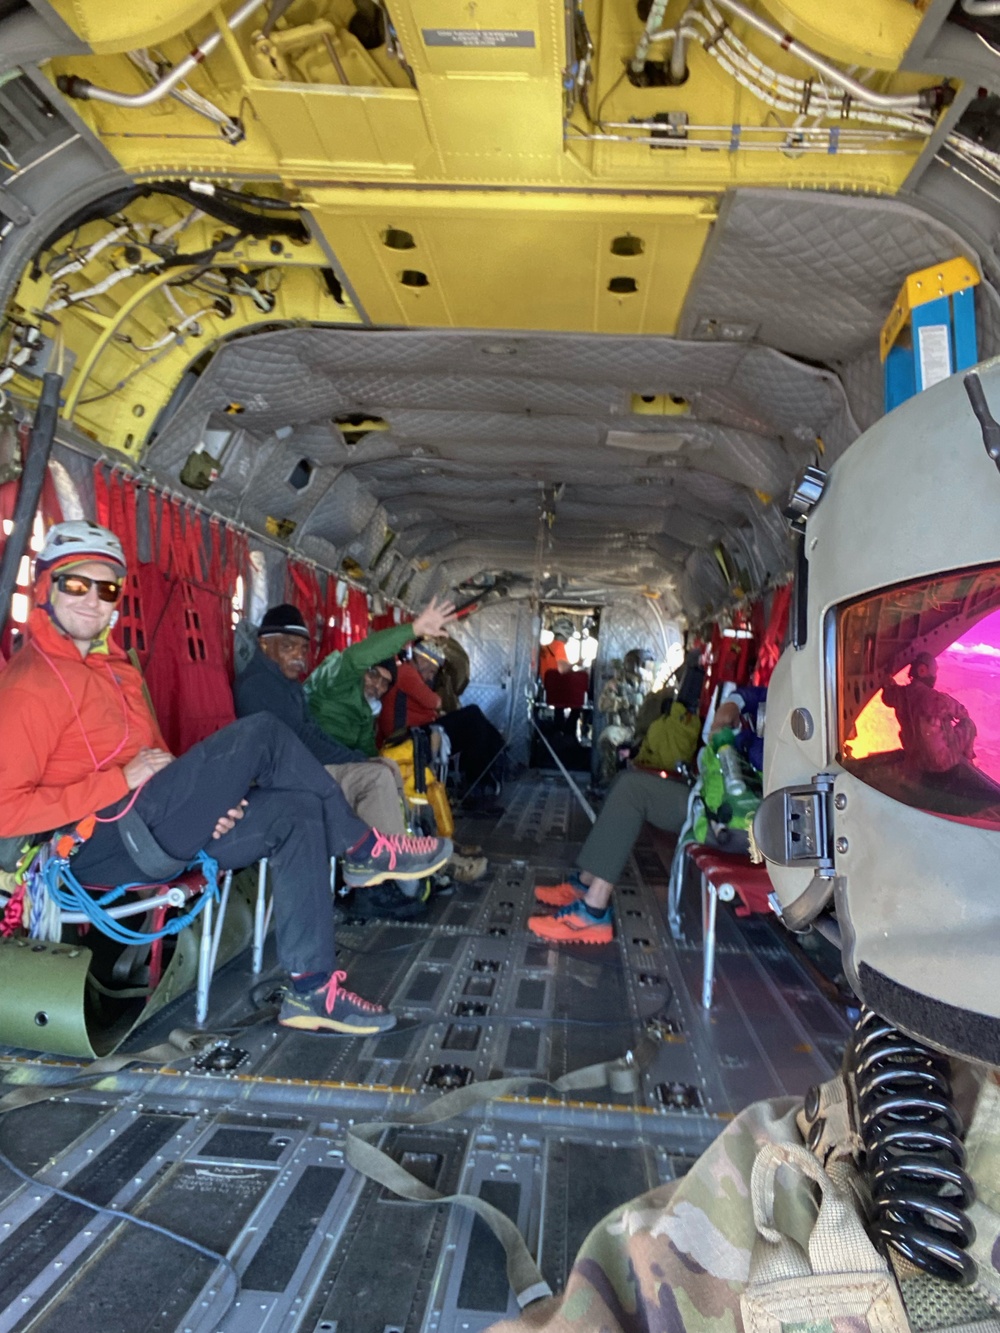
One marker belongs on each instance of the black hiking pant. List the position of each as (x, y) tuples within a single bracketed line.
[(474, 739), (296, 816)]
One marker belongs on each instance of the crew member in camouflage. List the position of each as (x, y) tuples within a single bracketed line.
[(769, 1231), (688, 1257)]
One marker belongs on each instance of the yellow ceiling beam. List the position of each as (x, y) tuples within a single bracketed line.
[(487, 108)]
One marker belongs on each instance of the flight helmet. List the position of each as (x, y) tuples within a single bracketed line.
[(881, 817)]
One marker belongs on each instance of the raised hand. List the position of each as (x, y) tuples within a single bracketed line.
[(433, 618)]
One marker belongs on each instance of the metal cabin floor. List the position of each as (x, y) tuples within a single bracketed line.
[(250, 1160)]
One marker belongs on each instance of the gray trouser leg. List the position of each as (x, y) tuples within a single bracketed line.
[(634, 799)]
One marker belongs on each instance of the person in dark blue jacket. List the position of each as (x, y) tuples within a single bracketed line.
[(272, 683)]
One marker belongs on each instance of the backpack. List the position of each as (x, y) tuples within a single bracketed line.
[(434, 794), (671, 740)]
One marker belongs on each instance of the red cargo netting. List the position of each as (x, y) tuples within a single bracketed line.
[(176, 614)]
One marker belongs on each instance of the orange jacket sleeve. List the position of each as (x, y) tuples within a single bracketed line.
[(27, 804)]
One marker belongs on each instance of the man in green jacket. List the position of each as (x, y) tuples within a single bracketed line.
[(345, 690)]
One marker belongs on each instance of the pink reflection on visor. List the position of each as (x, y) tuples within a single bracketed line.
[(969, 670)]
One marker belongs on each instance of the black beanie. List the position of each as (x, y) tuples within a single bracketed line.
[(284, 619), (389, 665)]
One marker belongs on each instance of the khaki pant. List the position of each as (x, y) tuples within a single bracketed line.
[(374, 791)]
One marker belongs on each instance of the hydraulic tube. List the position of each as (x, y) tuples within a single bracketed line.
[(43, 431), (927, 98), (678, 53)]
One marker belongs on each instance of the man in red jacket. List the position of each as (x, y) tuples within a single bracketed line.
[(82, 752), (413, 702), (409, 700)]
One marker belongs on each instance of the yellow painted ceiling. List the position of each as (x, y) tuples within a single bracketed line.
[(460, 133)]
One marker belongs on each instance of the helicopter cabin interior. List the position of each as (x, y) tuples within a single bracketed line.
[(543, 307)]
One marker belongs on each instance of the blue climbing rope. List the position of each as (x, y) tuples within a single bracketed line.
[(69, 895)]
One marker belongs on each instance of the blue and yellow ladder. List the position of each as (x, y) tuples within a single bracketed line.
[(931, 330)]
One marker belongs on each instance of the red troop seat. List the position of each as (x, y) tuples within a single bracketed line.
[(566, 689), (726, 875)]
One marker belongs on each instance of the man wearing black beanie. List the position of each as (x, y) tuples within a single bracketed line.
[(271, 683)]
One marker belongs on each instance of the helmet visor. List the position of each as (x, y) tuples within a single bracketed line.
[(918, 692)]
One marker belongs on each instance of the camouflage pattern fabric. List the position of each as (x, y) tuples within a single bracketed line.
[(680, 1258), (674, 1260)]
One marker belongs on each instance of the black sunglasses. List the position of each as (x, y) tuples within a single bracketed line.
[(78, 585)]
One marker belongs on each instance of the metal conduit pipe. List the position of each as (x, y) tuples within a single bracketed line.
[(678, 53), (83, 89), (927, 97), (981, 9), (653, 21)]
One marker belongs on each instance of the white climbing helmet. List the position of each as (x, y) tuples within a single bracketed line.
[(79, 540)]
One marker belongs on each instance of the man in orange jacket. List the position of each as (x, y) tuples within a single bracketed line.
[(82, 752)]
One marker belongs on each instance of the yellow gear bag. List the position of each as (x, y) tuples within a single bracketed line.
[(672, 739), (435, 795)]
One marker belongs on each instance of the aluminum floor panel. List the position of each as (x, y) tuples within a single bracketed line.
[(248, 1154)]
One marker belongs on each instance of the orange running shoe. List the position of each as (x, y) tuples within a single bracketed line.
[(574, 925), (558, 895)]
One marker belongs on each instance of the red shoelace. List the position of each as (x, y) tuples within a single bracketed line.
[(333, 988), (401, 844)]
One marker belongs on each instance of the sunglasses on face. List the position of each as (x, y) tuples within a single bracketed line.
[(78, 585)]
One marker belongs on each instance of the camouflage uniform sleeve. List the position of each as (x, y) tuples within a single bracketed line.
[(674, 1260)]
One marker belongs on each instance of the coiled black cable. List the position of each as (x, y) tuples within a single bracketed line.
[(913, 1149)]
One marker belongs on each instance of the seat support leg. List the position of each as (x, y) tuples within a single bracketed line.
[(209, 949), (709, 904), (259, 918), (204, 964)]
